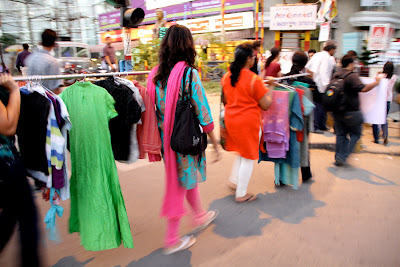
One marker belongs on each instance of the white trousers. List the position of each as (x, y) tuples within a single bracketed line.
[(241, 173)]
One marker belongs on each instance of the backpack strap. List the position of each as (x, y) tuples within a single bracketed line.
[(184, 92)]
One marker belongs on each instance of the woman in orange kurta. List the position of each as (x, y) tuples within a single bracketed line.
[(245, 95)]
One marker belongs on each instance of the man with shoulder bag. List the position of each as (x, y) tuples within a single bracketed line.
[(348, 117)]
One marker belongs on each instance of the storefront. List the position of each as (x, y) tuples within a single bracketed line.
[(293, 25), (239, 24)]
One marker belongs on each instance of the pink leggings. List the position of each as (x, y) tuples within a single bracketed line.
[(193, 197)]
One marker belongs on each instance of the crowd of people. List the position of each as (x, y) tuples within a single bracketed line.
[(245, 96)]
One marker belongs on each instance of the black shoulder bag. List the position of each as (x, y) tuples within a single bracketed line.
[(187, 136)]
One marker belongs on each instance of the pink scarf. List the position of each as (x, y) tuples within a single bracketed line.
[(173, 205)]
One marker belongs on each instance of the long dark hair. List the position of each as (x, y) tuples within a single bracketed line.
[(242, 53), (274, 54), (299, 60), (177, 45), (388, 68)]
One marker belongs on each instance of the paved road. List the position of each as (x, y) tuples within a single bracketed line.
[(344, 217)]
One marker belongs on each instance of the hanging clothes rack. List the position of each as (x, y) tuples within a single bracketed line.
[(78, 76), (289, 77)]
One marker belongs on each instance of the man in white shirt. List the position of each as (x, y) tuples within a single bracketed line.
[(322, 66)]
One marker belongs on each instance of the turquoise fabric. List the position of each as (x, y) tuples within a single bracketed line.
[(286, 174), (308, 106), (188, 166), (7, 147), (50, 218)]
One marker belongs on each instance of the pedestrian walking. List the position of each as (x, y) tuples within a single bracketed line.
[(43, 63), (109, 56), (388, 73), (272, 65), (350, 121), (322, 65), (244, 96), (165, 85), (311, 53), (257, 50), (20, 64), (16, 201)]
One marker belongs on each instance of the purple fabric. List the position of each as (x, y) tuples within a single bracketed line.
[(58, 178), (276, 125)]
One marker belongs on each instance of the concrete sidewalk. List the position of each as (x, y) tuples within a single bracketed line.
[(327, 141)]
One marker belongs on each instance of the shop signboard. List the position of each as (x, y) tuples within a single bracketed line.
[(110, 20), (154, 4), (237, 21), (293, 17), (376, 2), (143, 32), (324, 32), (379, 36), (187, 10)]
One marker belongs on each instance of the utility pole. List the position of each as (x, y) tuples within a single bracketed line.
[(28, 15), (68, 18)]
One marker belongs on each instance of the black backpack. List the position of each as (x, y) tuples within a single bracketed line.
[(334, 99), (187, 136)]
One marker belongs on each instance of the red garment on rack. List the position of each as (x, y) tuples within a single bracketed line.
[(300, 134), (148, 143)]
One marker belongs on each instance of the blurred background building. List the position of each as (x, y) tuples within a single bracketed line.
[(78, 19)]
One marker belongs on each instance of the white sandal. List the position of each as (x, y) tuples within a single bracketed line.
[(186, 242), (209, 220)]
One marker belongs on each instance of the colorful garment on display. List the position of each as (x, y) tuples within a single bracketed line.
[(98, 210), (134, 146), (50, 218), (129, 113), (31, 131), (276, 125), (289, 171), (148, 143)]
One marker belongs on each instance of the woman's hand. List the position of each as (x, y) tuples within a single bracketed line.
[(217, 154), (9, 114), (271, 80), (216, 146), (8, 83)]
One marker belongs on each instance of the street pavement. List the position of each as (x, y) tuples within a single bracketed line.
[(346, 216)]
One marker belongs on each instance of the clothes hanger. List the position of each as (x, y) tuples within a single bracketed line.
[(286, 86)]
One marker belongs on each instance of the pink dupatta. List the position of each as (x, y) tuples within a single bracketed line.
[(173, 205)]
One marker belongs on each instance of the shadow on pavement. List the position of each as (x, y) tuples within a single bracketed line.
[(157, 259), (70, 261), (353, 173), (287, 204)]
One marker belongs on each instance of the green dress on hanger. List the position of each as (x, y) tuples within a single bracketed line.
[(97, 206)]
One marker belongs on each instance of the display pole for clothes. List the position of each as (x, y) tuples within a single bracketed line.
[(289, 77), (78, 76)]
